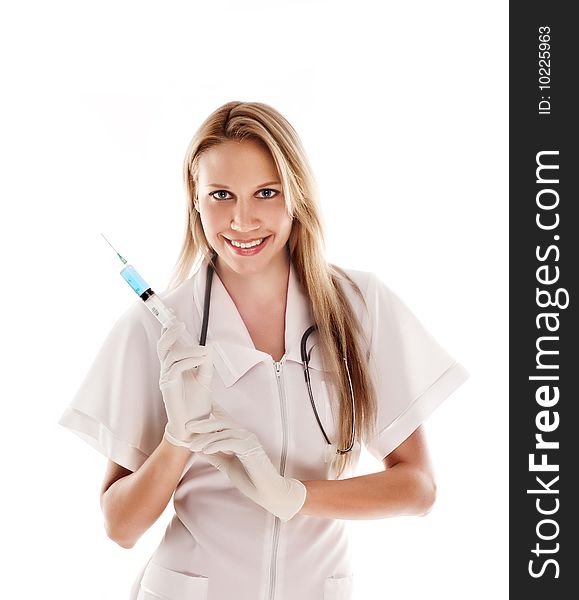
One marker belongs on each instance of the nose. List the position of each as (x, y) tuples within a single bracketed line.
[(244, 217)]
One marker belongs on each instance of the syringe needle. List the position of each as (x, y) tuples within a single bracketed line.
[(123, 259)]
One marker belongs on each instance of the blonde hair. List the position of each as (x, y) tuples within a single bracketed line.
[(338, 328)]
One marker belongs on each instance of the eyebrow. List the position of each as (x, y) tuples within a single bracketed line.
[(226, 187)]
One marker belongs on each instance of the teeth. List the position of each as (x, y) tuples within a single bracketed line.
[(248, 245)]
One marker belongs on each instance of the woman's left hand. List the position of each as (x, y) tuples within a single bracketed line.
[(238, 453)]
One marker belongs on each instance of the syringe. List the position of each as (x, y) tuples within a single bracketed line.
[(146, 293)]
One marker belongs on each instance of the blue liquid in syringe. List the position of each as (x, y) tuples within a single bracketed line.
[(130, 275)]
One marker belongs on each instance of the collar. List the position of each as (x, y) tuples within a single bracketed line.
[(235, 351)]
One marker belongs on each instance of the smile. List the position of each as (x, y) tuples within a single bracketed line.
[(246, 244), (247, 248)]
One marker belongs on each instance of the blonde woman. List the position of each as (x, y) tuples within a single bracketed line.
[(255, 430)]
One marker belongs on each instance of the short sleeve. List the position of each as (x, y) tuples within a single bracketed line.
[(118, 408), (411, 371)]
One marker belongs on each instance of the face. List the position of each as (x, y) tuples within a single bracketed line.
[(241, 200)]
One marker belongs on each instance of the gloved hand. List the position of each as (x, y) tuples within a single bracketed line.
[(185, 381), (238, 453)]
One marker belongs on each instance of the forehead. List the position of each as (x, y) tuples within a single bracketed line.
[(237, 161)]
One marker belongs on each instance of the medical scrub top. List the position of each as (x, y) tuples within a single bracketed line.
[(220, 545)]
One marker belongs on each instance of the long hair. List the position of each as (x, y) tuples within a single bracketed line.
[(339, 330)]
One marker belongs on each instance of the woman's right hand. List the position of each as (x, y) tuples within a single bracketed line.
[(185, 381)]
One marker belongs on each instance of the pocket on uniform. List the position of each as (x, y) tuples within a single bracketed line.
[(338, 588), (159, 583)]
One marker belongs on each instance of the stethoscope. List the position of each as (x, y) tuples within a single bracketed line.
[(304, 354)]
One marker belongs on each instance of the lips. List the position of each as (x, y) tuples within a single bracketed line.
[(247, 251), (246, 241)]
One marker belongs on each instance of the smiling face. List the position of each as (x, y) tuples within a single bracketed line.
[(240, 200)]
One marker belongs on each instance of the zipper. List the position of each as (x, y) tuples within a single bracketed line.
[(277, 522)]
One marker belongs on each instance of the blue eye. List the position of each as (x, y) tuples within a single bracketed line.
[(272, 193), (225, 195), (219, 192)]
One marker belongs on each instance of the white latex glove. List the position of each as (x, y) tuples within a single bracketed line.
[(185, 381), (238, 453)]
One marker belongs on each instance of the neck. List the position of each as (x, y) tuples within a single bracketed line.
[(265, 289)]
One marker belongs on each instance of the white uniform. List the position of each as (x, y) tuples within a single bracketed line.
[(220, 545)]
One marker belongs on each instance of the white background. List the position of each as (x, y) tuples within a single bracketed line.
[(402, 108)]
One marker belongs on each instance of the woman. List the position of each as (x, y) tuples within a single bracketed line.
[(259, 456)]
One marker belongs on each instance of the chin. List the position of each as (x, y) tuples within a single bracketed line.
[(247, 265), (243, 265)]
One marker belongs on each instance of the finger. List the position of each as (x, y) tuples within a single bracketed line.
[(229, 445), (169, 337), (220, 461), (220, 413), (176, 354), (177, 369), (211, 445), (205, 373), (228, 438), (175, 335), (172, 329), (210, 424)]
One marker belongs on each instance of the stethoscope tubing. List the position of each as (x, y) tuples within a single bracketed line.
[(304, 355)]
